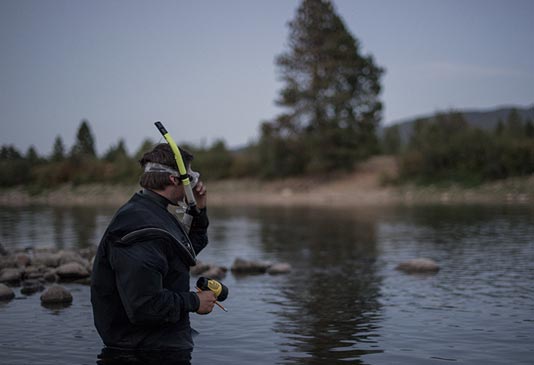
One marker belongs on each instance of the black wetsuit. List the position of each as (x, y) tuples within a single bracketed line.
[(140, 283)]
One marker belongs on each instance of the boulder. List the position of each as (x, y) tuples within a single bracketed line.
[(6, 293), (47, 259), (215, 272), (51, 276), (88, 252), (72, 270), (3, 251), (7, 262), (23, 259), (66, 257), (11, 275), (34, 272), (199, 268), (419, 266), (280, 268), (56, 295), (242, 266), (31, 286)]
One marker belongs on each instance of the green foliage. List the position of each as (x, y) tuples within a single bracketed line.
[(84, 146), (58, 150), (445, 148), (212, 162), (32, 157), (331, 96), (391, 141), (245, 163), (9, 153), (514, 125), (15, 169), (529, 129), (146, 146), (117, 152)]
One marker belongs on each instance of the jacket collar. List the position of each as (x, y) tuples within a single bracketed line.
[(155, 197)]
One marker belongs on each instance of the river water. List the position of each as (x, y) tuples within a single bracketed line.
[(344, 302)]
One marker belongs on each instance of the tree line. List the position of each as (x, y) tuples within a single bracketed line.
[(445, 148)]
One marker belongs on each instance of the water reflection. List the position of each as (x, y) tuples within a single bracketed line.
[(329, 308), (84, 224), (59, 227), (59, 224)]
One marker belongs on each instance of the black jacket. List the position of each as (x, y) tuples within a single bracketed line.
[(140, 282)]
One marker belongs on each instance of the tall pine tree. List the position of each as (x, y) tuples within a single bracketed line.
[(85, 142), (58, 151), (330, 95)]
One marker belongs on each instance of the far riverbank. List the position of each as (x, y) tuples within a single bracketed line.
[(364, 187)]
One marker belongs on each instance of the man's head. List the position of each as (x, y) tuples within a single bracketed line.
[(158, 178)]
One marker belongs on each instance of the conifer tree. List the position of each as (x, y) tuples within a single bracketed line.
[(85, 142), (514, 125), (31, 155), (330, 94), (117, 153), (58, 151)]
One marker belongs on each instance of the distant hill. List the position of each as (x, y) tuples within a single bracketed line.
[(483, 119)]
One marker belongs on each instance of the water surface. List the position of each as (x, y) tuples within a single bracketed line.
[(343, 301)]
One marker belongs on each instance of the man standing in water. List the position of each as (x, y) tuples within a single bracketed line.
[(140, 283)]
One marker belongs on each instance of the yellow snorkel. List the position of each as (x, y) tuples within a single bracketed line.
[(184, 177)]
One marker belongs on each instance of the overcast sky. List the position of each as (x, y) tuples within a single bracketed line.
[(206, 68)]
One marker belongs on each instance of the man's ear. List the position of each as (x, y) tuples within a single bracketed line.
[(174, 180)]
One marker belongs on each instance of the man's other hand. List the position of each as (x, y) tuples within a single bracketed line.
[(207, 301), (201, 195)]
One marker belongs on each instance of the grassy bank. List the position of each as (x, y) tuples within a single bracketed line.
[(365, 186)]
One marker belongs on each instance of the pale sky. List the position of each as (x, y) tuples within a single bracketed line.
[(206, 68)]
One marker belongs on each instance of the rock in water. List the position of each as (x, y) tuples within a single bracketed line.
[(6, 293), (242, 266), (56, 295), (46, 259), (280, 268), (419, 266), (66, 257), (51, 276), (31, 286), (199, 268), (215, 272), (3, 251), (23, 260), (10, 275), (73, 270)]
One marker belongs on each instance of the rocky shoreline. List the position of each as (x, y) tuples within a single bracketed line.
[(43, 270)]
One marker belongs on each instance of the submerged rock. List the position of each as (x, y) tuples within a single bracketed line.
[(215, 272), (56, 295), (280, 268), (34, 272), (10, 275), (6, 293), (47, 259), (3, 251), (31, 286), (51, 276), (211, 271), (7, 262), (199, 268), (242, 266), (419, 265), (67, 257), (23, 260), (73, 270)]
